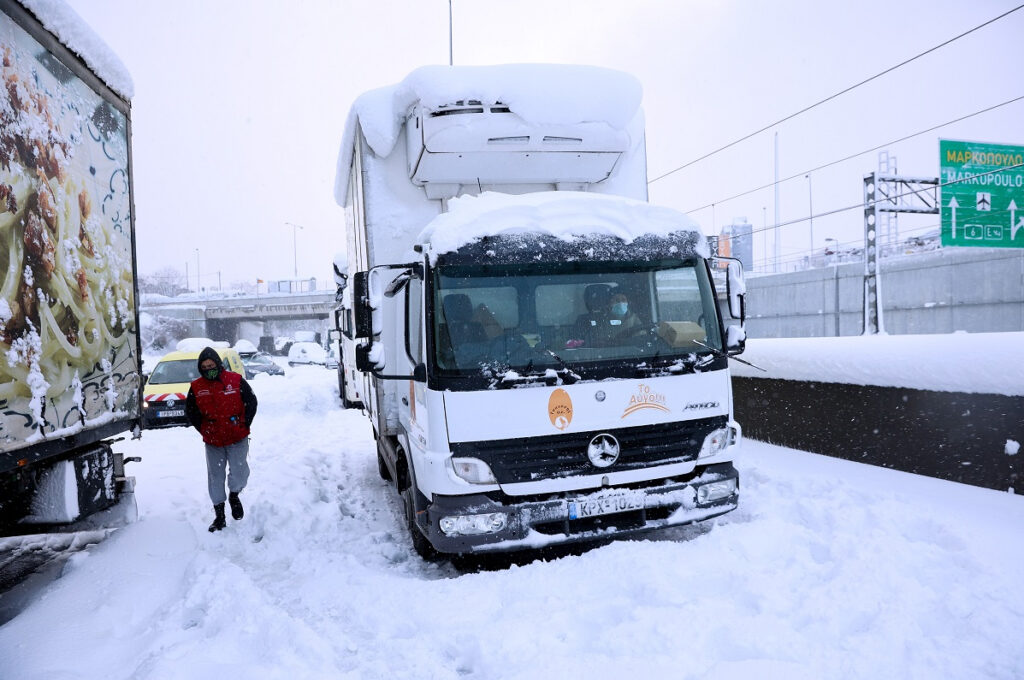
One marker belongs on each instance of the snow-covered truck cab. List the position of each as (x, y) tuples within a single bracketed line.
[(539, 349), (536, 408)]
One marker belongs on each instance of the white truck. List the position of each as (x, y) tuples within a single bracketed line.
[(70, 378), (540, 351)]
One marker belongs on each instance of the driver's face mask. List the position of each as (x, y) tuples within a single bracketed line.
[(620, 308)]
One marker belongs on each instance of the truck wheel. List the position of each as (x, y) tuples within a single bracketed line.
[(420, 543), (382, 467)]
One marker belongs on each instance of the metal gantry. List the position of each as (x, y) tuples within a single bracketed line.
[(888, 195)]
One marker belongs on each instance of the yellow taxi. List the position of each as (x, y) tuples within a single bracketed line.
[(163, 402)]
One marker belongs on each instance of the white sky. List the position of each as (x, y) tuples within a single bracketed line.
[(240, 106)]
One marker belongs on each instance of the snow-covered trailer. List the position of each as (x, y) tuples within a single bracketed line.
[(496, 223), (70, 377)]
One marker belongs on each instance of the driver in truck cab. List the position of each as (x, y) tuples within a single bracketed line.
[(608, 321)]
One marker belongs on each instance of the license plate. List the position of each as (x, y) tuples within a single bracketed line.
[(605, 505), (171, 414)]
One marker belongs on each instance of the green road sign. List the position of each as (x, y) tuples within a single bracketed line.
[(984, 206)]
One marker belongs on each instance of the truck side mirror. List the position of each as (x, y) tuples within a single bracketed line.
[(735, 339), (735, 290), (362, 313), (419, 373), (370, 357)]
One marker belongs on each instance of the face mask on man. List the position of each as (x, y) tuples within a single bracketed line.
[(211, 373), (620, 308)]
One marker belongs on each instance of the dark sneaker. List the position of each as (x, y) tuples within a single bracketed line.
[(236, 506), (218, 521)]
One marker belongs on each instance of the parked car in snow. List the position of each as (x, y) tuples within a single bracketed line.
[(306, 353), (260, 363), (245, 348)]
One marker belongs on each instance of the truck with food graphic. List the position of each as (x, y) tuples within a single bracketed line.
[(70, 379), (541, 351)]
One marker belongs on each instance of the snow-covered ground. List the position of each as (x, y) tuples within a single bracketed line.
[(829, 569)]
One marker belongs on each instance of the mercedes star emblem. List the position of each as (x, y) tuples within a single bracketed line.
[(603, 450)]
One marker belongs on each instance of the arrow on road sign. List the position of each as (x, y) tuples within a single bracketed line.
[(953, 205), (1013, 217)]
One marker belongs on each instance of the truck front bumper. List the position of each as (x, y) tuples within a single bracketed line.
[(534, 522)]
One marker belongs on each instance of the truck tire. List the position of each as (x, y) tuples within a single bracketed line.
[(420, 543), (346, 403), (382, 468)]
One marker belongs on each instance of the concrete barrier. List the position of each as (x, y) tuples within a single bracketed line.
[(956, 436)]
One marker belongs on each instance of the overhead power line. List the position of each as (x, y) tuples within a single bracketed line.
[(837, 94), (855, 155)]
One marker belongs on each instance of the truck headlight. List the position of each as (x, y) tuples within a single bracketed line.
[(473, 470), (470, 525), (713, 491), (717, 441)]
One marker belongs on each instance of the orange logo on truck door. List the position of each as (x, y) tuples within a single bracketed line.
[(560, 409)]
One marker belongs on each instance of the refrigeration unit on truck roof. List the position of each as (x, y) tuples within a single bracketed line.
[(486, 143), (517, 127)]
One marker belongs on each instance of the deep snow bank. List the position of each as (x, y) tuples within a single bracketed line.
[(988, 363), (829, 569)]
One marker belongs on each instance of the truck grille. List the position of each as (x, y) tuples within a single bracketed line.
[(528, 459)]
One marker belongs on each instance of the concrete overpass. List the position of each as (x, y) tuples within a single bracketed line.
[(229, 318)]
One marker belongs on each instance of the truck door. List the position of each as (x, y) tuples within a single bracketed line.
[(413, 415)]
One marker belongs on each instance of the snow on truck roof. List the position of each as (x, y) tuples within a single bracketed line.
[(537, 93), (72, 31), (563, 214)]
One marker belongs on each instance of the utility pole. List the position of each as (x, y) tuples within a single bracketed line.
[(810, 208), (778, 241), (764, 234), (295, 246), (835, 278), (451, 60)]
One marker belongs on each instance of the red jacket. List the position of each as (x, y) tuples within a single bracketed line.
[(221, 405)]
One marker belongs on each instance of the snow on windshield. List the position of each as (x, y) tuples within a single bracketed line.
[(563, 214), (537, 93)]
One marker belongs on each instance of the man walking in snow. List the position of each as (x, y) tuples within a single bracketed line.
[(221, 405)]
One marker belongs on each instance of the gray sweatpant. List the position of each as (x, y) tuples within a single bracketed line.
[(234, 459)]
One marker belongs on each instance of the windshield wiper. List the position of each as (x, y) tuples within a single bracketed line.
[(719, 353), (567, 371), (549, 376)]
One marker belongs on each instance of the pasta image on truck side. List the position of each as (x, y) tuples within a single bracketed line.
[(69, 351)]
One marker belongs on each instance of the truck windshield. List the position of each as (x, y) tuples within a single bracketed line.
[(573, 315)]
